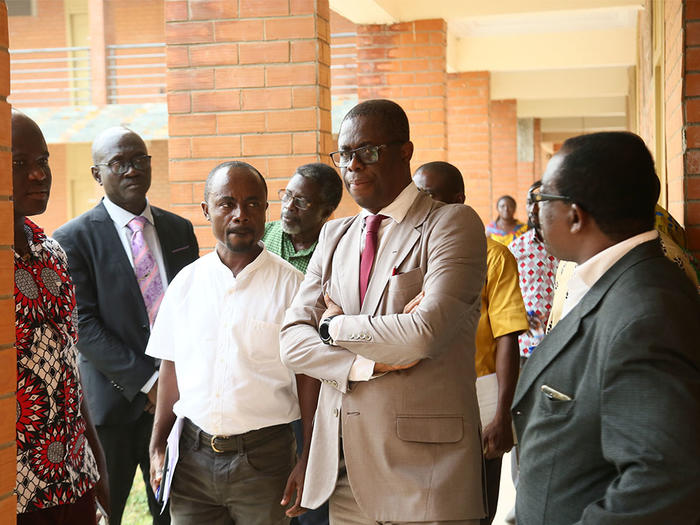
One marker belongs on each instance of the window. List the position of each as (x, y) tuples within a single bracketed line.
[(20, 7)]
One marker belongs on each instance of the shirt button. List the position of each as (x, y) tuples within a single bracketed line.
[(518, 413), (335, 412)]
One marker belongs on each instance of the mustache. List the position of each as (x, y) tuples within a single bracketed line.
[(289, 216)]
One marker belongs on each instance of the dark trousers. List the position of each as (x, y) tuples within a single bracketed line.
[(317, 516), (493, 482), (241, 484), (126, 447), (82, 512)]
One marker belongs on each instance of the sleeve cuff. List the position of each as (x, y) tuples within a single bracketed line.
[(149, 384)]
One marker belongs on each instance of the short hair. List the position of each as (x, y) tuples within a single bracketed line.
[(327, 179), (508, 198), (391, 115), (453, 179), (229, 165), (611, 176)]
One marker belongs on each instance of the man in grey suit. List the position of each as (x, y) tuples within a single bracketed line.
[(606, 410), (386, 319), (114, 316)]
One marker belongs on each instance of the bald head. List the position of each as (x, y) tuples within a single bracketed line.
[(105, 141), (442, 181)]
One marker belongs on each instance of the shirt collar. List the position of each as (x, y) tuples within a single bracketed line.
[(398, 209), (262, 259), (121, 217), (595, 267)]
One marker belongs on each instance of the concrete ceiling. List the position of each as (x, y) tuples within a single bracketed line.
[(565, 61)]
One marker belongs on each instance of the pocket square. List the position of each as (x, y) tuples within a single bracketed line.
[(181, 248)]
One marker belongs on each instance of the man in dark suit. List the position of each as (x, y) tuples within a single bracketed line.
[(122, 254), (606, 410)]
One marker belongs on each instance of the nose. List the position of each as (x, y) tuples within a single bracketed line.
[(38, 172), (355, 162), (240, 214)]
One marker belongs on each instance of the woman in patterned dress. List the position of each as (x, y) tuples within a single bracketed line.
[(506, 227)]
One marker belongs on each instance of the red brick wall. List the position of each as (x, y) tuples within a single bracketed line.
[(504, 153), (8, 366), (343, 56), (684, 192), (247, 80), (406, 63), (469, 136)]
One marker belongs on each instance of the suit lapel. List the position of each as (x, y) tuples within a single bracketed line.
[(166, 247), (558, 339), (397, 246), (346, 264)]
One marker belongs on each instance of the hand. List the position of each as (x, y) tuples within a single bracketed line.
[(381, 368), (102, 497), (413, 303), (295, 483), (157, 464), (498, 436), (331, 307)]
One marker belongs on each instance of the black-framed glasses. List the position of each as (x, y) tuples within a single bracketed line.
[(535, 197), (366, 154), (120, 167), (300, 202)]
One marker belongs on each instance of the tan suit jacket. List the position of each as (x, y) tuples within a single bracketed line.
[(411, 439)]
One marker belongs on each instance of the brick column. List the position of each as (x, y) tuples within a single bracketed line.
[(539, 166), (98, 52), (246, 80), (504, 153), (684, 187), (526, 162), (406, 63), (8, 356), (469, 135)]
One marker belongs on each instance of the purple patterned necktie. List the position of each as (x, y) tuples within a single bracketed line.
[(145, 268)]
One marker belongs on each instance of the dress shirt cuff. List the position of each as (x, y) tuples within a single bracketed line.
[(362, 369), (149, 384)]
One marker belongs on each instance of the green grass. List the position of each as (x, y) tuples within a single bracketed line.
[(136, 510)]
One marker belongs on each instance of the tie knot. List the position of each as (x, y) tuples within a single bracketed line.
[(137, 224), (372, 222)]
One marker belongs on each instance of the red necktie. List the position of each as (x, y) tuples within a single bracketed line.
[(372, 223)]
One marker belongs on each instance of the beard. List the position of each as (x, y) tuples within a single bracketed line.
[(291, 229)]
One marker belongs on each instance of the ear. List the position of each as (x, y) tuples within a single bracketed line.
[(460, 198), (96, 174), (205, 210), (407, 151), (578, 218)]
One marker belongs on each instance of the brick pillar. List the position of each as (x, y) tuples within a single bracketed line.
[(684, 186), (98, 52), (8, 356), (504, 154), (246, 80), (469, 135), (526, 161), (539, 167), (406, 63)]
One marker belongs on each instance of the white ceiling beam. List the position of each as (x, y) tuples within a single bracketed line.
[(364, 11), (583, 124), (573, 107), (562, 83)]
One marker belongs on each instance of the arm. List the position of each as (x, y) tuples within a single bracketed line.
[(102, 487), (164, 419), (498, 434), (650, 401), (125, 366), (307, 389)]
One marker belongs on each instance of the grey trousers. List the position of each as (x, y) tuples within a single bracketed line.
[(344, 510), (241, 487)]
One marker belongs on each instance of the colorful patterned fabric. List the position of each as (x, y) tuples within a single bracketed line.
[(280, 244), (145, 268), (55, 465), (665, 223), (503, 236), (537, 270)]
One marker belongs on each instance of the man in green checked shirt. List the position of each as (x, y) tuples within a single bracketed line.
[(313, 193)]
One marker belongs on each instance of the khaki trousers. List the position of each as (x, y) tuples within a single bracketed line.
[(344, 510)]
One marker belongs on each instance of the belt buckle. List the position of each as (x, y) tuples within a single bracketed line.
[(213, 446)]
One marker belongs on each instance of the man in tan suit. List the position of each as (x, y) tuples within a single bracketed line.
[(397, 374)]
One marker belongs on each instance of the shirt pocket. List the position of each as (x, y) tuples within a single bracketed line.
[(262, 344)]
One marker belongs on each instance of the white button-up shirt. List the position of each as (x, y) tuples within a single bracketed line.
[(222, 333)]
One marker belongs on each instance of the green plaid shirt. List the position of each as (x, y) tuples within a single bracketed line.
[(279, 243)]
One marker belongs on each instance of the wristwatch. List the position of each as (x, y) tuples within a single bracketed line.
[(324, 330)]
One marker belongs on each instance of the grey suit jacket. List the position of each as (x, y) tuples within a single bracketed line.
[(624, 450), (411, 439), (112, 321)]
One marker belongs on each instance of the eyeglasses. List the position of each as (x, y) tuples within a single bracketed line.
[(300, 202), (534, 197), (366, 154), (120, 167)]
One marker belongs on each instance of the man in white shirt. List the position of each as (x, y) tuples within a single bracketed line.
[(606, 410), (217, 335), (122, 254)]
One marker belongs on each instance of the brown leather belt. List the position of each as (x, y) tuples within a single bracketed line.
[(237, 442)]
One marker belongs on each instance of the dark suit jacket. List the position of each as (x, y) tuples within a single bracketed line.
[(624, 450), (112, 321)]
